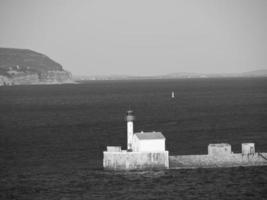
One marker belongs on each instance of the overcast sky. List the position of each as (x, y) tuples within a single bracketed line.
[(140, 37)]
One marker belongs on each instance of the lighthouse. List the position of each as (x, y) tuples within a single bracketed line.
[(130, 129), (145, 150)]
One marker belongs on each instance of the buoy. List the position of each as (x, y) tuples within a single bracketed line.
[(173, 96)]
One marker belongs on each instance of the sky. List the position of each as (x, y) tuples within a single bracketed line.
[(140, 37)]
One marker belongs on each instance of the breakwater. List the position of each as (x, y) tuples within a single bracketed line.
[(210, 161), (147, 150), (219, 155)]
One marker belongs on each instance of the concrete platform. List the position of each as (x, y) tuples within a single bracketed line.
[(209, 161), (125, 160)]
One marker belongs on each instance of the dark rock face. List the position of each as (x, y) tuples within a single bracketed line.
[(22, 67)]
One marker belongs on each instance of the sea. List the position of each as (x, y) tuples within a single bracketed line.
[(52, 138)]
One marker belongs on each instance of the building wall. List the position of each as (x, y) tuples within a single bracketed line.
[(135, 144), (153, 145), (135, 160)]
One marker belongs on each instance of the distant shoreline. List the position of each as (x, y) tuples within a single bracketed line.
[(182, 75), (165, 79)]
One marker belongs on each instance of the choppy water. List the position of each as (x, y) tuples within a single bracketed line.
[(52, 138)]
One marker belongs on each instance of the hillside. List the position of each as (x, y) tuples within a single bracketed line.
[(23, 66)]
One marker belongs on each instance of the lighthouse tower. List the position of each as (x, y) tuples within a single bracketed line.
[(130, 129)]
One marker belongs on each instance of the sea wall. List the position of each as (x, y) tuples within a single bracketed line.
[(135, 160), (207, 161)]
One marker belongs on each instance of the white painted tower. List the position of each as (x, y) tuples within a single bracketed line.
[(130, 129)]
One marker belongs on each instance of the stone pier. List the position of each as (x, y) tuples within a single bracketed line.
[(124, 160)]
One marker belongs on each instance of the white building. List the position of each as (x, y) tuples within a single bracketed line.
[(148, 142), (222, 149), (248, 148), (143, 141)]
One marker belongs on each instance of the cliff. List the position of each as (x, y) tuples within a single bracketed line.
[(22, 67)]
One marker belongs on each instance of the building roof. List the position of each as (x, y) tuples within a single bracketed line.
[(149, 135)]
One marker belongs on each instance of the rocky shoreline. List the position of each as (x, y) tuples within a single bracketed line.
[(29, 78)]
